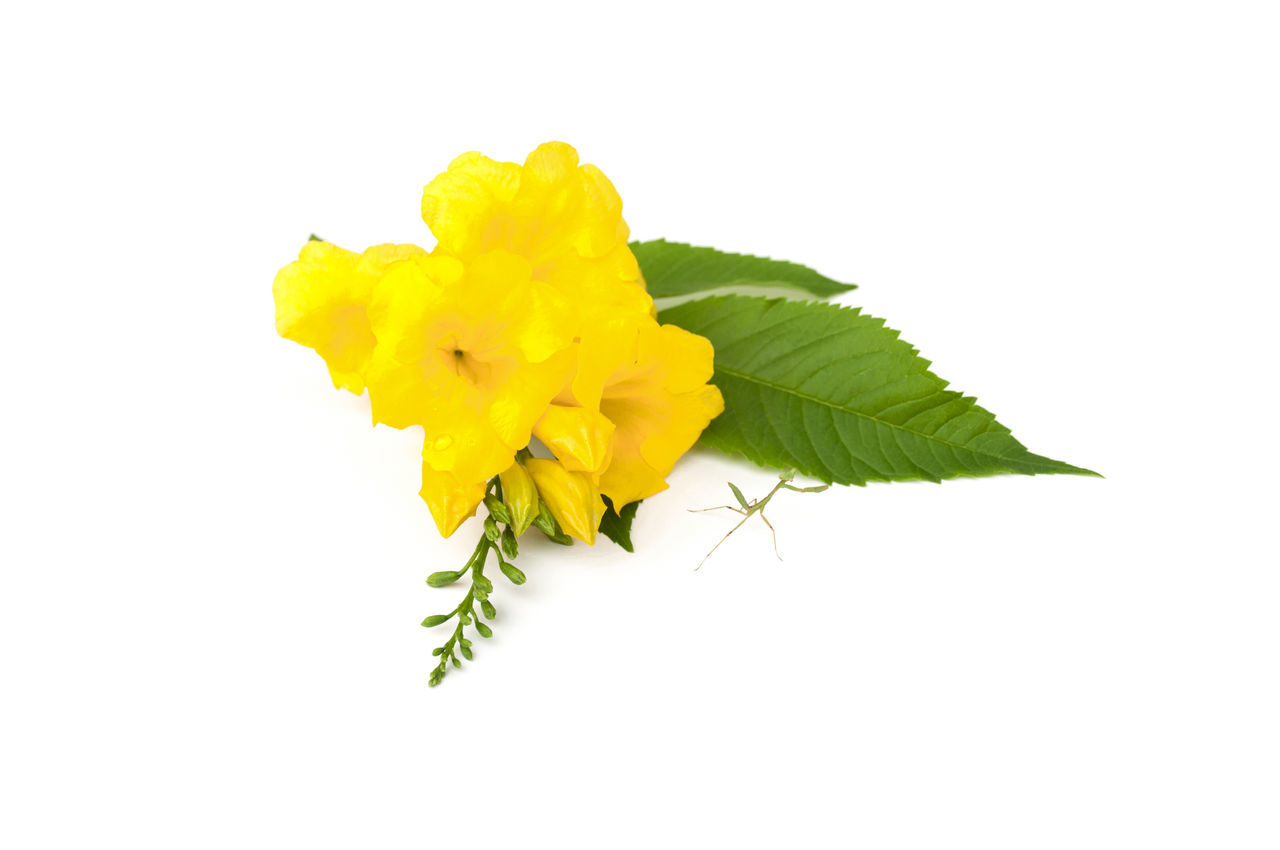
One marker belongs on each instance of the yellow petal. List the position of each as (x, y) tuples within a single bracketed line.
[(452, 501), (688, 358), (466, 446), (523, 395), (467, 207), (572, 497)]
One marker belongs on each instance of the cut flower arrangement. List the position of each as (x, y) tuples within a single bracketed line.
[(554, 395)]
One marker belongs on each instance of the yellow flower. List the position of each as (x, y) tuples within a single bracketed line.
[(530, 318), (650, 382), (572, 497), (473, 354), (520, 495), (321, 302), (564, 218), (451, 501)]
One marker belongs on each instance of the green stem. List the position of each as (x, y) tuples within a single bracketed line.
[(465, 612)]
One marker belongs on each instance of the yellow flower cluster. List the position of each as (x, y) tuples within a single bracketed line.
[(528, 319)]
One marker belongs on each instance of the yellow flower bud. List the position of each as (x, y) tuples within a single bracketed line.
[(520, 497), (573, 498), (582, 439), (450, 500)]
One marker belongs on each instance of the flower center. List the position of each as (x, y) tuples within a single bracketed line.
[(466, 365)]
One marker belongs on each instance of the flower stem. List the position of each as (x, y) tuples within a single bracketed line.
[(465, 613)]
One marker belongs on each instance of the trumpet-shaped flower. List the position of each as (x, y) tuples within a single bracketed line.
[(563, 217), (572, 497), (322, 300), (473, 354), (650, 382)]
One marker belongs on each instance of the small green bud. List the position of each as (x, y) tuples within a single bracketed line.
[(456, 662), (510, 547), (489, 610), (437, 650), (443, 578), (436, 619), (466, 652), (491, 530), (484, 630), (497, 510), (512, 573)]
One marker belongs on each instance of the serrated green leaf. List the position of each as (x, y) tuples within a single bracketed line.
[(617, 525), (838, 396), (674, 268)]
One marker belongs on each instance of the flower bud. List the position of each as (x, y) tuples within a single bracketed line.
[(572, 497), (496, 509), (520, 496), (451, 501)]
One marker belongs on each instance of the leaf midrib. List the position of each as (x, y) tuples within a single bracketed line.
[(823, 402)]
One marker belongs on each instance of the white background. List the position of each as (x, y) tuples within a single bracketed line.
[(213, 567)]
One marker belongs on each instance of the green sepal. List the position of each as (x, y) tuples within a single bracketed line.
[(616, 525)]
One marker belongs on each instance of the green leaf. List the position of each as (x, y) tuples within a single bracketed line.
[(839, 397), (443, 578), (617, 525), (673, 268)]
